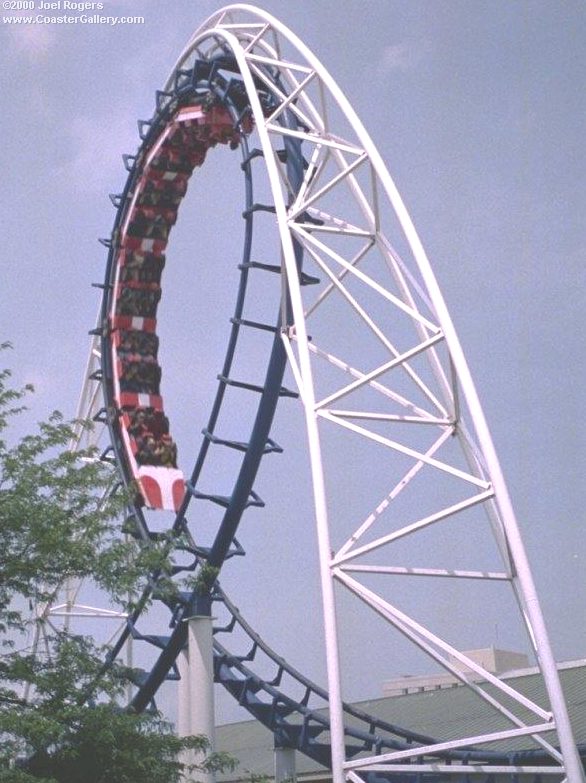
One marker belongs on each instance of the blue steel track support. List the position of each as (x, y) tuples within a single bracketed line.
[(270, 395)]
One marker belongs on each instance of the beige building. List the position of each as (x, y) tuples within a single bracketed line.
[(492, 659)]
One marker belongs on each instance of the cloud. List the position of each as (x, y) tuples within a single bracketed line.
[(405, 56), (32, 41)]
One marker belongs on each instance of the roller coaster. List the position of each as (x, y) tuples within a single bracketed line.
[(360, 327)]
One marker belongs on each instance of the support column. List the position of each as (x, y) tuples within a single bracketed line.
[(183, 720), (285, 771), (195, 704)]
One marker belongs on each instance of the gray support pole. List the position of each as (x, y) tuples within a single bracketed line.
[(285, 771), (195, 705)]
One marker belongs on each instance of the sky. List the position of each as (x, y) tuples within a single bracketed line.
[(478, 110)]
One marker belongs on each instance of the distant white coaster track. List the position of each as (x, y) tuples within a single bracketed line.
[(382, 366)]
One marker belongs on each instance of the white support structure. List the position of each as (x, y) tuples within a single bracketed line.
[(195, 703), (409, 394)]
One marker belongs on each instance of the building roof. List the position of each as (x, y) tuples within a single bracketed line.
[(444, 713)]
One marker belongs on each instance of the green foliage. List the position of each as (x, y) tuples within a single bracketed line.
[(58, 521), (204, 581), (103, 745), (56, 518)]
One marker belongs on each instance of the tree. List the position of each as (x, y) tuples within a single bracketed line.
[(59, 521)]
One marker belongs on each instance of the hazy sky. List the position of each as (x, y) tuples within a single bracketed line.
[(478, 109)]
